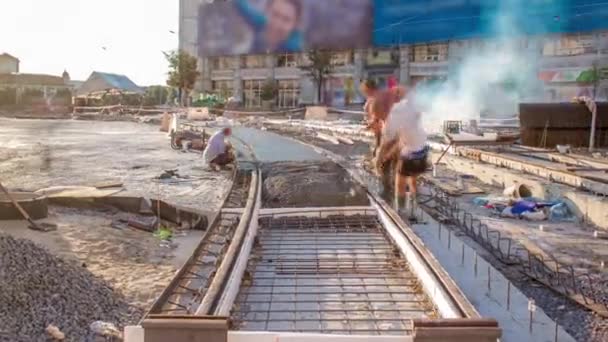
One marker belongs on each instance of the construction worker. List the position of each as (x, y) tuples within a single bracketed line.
[(380, 108), (404, 139), (218, 154)]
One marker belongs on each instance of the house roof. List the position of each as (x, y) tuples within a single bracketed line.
[(102, 82), (9, 56), (32, 79)]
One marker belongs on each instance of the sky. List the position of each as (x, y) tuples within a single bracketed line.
[(50, 36)]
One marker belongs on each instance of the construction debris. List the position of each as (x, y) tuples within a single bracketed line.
[(55, 332)]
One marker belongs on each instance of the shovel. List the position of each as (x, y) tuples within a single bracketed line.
[(43, 227)]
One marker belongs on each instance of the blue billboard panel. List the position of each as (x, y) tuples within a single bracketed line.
[(272, 26), (416, 21)]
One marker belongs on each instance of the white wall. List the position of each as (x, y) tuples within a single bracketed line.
[(8, 65)]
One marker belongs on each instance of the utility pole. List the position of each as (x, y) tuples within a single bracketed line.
[(596, 82)]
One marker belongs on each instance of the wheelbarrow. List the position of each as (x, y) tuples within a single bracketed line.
[(194, 140)]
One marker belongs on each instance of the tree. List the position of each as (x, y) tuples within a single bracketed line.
[(319, 68), (156, 95), (183, 72)]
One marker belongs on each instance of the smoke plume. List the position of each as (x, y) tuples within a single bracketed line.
[(493, 75)]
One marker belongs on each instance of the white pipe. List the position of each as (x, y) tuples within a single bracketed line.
[(236, 276), (432, 286), (240, 233)]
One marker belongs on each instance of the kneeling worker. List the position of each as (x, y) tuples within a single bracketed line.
[(404, 136), (217, 153)]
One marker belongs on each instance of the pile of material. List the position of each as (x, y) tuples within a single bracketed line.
[(44, 298), (310, 184)]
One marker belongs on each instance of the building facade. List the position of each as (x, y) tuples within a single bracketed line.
[(563, 60), (8, 64)]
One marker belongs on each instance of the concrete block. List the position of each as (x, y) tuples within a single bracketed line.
[(35, 205), (316, 113), (186, 329), (198, 114)]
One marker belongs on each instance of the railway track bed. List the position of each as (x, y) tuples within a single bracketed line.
[(319, 273)]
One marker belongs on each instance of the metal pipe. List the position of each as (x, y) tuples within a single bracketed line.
[(218, 282)]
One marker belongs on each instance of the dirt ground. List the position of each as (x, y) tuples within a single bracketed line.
[(133, 262), (37, 154)]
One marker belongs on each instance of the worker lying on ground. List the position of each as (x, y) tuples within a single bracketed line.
[(218, 153), (404, 136)]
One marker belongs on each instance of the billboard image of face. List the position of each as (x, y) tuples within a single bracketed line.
[(272, 26)]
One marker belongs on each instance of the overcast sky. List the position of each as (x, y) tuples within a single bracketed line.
[(49, 36)]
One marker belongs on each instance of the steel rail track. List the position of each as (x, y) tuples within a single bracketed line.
[(582, 287), (187, 289), (189, 293)]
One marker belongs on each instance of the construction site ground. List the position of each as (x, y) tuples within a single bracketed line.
[(570, 242)]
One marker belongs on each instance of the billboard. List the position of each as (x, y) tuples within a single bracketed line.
[(274, 26), (418, 21), (246, 27)]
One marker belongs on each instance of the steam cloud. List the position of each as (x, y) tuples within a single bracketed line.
[(494, 76)]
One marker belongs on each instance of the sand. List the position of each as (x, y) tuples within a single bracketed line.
[(132, 261)]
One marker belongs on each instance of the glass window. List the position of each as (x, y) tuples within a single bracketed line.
[(223, 88), (252, 90), (569, 45), (430, 52), (222, 63), (342, 58), (287, 60), (289, 93), (253, 61), (379, 57)]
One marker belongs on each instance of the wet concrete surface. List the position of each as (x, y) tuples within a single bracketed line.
[(36, 154), (271, 147)]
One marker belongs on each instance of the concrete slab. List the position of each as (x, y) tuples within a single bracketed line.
[(271, 147), (585, 206), (491, 295)]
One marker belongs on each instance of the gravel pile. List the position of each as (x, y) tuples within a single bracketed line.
[(38, 289)]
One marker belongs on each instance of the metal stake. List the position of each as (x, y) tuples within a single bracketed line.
[(449, 240), (475, 267), (508, 295), (440, 231), (556, 330), (489, 280), (462, 255), (531, 309)]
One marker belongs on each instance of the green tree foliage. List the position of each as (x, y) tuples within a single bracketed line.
[(183, 71), (156, 95), (319, 68)]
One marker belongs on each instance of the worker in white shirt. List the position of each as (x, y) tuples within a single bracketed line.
[(217, 153), (405, 138)]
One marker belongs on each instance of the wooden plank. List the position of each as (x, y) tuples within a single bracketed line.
[(547, 170), (449, 186)]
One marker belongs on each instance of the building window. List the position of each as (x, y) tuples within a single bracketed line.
[(253, 61), (569, 45), (223, 63), (287, 60), (223, 88), (342, 58), (252, 90), (430, 52), (289, 93), (379, 57)]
